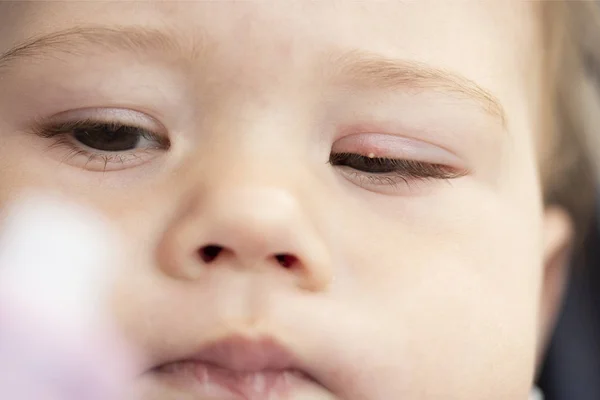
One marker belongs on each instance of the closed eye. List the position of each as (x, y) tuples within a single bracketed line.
[(409, 169), (378, 172)]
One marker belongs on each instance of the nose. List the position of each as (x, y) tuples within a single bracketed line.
[(258, 228)]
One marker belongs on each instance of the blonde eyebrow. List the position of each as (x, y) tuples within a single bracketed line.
[(368, 71), (80, 40), (355, 68)]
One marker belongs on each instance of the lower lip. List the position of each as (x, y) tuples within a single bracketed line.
[(216, 383)]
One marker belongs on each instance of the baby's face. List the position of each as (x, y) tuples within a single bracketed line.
[(354, 184)]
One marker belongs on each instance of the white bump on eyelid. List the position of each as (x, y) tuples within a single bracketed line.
[(395, 146)]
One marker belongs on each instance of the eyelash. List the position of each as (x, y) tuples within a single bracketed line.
[(63, 135), (376, 170), (390, 171)]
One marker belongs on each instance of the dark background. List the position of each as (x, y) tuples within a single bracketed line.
[(572, 367)]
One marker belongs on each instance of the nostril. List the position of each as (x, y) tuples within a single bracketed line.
[(210, 252), (286, 260)]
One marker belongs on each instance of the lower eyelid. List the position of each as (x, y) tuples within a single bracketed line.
[(402, 182), (390, 185), (69, 152), (108, 162)]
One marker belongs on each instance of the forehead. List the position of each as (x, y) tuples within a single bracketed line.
[(489, 43)]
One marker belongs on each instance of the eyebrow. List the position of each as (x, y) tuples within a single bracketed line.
[(370, 71), (79, 39), (355, 67)]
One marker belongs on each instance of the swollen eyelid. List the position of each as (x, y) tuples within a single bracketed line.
[(377, 145)]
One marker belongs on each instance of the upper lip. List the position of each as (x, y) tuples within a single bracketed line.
[(240, 354), (245, 355)]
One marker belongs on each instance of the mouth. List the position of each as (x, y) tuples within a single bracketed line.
[(239, 369)]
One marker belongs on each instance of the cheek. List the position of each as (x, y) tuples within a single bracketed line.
[(460, 291), (445, 292), (138, 213)]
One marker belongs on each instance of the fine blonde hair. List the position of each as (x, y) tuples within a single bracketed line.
[(569, 160)]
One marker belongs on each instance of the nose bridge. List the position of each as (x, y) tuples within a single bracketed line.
[(257, 137), (252, 182)]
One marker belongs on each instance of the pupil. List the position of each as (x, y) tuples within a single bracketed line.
[(105, 139)]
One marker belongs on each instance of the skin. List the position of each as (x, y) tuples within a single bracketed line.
[(411, 289)]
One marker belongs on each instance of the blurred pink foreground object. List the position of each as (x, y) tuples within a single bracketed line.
[(56, 340)]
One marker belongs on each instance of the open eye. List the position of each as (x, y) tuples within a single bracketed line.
[(112, 137), (103, 145)]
